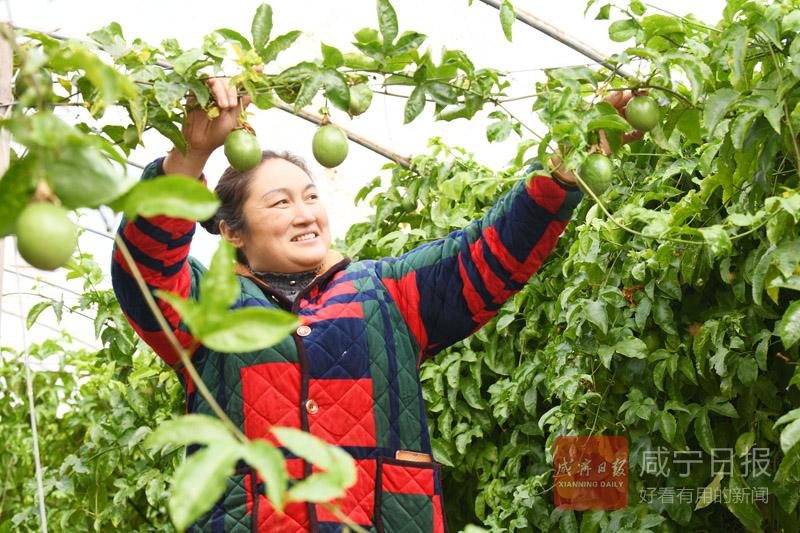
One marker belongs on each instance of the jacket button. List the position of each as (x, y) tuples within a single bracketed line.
[(312, 407), (303, 331)]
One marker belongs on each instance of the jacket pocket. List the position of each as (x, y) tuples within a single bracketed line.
[(408, 497)]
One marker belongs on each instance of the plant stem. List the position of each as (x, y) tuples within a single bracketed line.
[(176, 345), (509, 113)]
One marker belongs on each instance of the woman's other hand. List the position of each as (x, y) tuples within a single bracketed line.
[(203, 134), (618, 99)]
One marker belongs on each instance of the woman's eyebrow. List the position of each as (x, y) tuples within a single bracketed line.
[(286, 190)]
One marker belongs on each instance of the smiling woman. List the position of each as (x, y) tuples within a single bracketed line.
[(350, 374)]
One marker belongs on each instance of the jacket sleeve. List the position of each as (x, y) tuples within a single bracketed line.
[(448, 289), (160, 248)]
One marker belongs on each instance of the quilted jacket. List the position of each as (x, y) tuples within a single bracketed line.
[(350, 374)]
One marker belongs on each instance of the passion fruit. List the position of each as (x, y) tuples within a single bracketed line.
[(242, 150), (360, 99), (329, 146), (642, 113), (45, 235), (596, 173)]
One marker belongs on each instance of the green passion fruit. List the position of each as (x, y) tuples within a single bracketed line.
[(360, 99), (329, 146), (596, 173), (242, 150), (642, 113), (45, 235)]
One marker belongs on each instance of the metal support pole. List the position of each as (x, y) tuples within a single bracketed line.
[(564, 38)]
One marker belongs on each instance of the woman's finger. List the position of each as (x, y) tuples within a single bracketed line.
[(219, 88)]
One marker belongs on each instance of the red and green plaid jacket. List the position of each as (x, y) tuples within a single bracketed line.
[(350, 376)]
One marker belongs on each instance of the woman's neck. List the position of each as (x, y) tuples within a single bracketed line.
[(289, 284)]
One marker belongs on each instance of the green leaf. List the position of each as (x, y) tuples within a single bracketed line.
[(336, 88), (159, 119), (331, 56), (261, 26), (247, 329), (315, 488), (219, 288), (790, 325), (407, 42), (305, 445), (622, 30), (175, 196), (35, 311), (596, 314), (16, 188), (184, 62), (387, 22), (747, 371), (200, 481), (711, 490), (235, 37), (441, 93), (744, 509), (278, 45), (759, 275), (591, 520), (717, 104), (269, 462), (702, 430), (415, 104), (632, 347), (507, 18), (744, 442), (191, 429), (311, 85), (667, 425), (717, 239), (568, 523), (359, 61), (609, 122)]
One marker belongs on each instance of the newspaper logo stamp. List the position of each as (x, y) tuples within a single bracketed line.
[(591, 473)]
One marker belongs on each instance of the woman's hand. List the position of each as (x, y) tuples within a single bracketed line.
[(204, 135), (618, 99)]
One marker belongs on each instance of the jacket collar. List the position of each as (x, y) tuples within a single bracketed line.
[(331, 261)]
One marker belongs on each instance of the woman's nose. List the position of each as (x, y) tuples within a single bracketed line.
[(304, 214)]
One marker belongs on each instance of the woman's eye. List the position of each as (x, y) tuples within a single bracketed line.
[(280, 202)]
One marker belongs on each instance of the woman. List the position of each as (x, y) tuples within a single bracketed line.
[(350, 375)]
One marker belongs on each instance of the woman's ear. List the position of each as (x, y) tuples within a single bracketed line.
[(233, 237)]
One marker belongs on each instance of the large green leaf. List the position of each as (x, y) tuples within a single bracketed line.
[(717, 104), (632, 347), (247, 329), (507, 18), (261, 26), (702, 430), (269, 462), (219, 288), (415, 104), (191, 429), (174, 196), (16, 188), (790, 325), (387, 22), (278, 45), (200, 481)]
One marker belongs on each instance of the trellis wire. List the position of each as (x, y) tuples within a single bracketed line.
[(32, 410)]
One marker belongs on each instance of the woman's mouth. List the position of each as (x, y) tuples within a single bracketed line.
[(305, 237)]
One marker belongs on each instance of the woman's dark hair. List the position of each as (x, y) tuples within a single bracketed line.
[(234, 188)]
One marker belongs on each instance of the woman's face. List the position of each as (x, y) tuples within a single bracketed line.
[(286, 228)]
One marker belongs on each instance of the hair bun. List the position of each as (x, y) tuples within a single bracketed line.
[(212, 224)]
